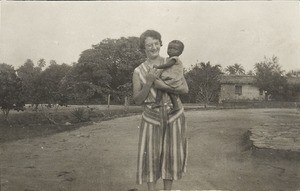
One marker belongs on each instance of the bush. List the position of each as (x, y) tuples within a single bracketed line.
[(81, 114)]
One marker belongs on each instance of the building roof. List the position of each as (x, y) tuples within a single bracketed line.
[(246, 79), (237, 79)]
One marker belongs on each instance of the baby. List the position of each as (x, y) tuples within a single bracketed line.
[(172, 75)]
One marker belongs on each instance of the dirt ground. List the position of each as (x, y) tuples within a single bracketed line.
[(103, 156)]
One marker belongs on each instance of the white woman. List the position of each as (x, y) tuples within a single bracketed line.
[(162, 146)]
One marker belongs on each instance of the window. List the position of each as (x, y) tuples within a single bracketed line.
[(261, 91), (238, 89)]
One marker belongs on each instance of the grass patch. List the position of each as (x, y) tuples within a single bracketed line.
[(29, 123)]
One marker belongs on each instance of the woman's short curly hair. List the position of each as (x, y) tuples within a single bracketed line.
[(149, 33)]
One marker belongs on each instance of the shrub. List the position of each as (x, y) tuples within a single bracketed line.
[(81, 114)]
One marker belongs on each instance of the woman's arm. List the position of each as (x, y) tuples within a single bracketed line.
[(140, 91), (184, 89)]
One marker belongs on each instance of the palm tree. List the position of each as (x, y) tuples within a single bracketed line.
[(203, 81), (239, 69), (41, 63), (235, 69), (230, 70)]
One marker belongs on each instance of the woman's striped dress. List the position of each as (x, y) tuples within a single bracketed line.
[(162, 147)]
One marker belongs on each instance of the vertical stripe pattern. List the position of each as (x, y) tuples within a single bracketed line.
[(162, 146)]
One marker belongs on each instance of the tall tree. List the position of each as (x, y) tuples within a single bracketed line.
[(235, 69), (104, 68), (48, 83), (52, 62), (41, 63), (269, 77), (11, 95), (29, 75), (203, 82)]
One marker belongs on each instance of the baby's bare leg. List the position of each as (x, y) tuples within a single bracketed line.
[(173, 98)]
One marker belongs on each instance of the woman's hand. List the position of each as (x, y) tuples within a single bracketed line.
[(151, 76), (140, 90)]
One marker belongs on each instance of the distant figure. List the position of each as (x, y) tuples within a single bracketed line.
[(172, 75)]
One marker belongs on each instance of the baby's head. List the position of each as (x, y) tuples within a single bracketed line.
[(175, 48)]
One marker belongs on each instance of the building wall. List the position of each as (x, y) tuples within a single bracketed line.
[(249, 92)]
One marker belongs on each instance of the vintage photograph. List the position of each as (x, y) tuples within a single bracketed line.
[(150, 95)]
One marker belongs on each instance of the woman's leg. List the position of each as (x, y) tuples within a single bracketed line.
[(168, 184), (151, 186)]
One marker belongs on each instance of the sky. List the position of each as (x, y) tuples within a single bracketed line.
[(222, 32)]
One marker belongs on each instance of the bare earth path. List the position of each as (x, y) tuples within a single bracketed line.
[(103, 157)]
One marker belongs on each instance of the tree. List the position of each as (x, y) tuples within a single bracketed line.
[(270, 78), (10, 90), (293, 73), (293, 88), (203, 82), (127, 90), (235, 69), (43, 87), (29, 75), (250, 73), (52, 62), (48, 84), (41, 63), (102, 69)]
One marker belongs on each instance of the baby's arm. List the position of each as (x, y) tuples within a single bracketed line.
[(170, 63)]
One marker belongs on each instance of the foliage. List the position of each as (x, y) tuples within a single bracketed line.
[(42, 86), (291, 92), (76, 88), (41, 63), (10, 90), (102, 70), (250, 73), (127, 91), (235, 69), (48, 84), (293, 73), (80, 114), (269, 77), (203, 82), (29, 75)]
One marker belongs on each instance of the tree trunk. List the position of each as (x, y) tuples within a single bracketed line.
[(5, 113), (126, 103), (206, 98), (108, 101)]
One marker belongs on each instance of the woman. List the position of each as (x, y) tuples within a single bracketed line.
[(162, 142)]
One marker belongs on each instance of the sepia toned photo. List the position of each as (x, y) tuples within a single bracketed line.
[(150, 95)]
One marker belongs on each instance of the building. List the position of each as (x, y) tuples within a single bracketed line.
[(239, 88), (242, 88)]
